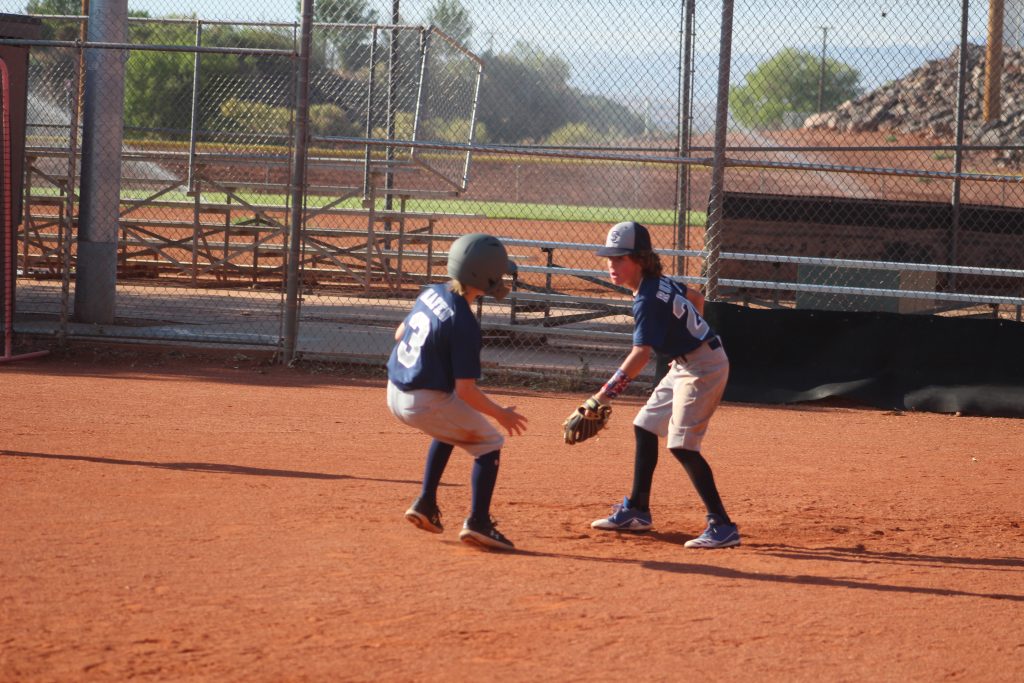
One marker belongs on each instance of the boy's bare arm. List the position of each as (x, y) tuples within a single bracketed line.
[(632, 366), (468, 391)]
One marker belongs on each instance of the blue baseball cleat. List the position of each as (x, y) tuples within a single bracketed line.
[(624, 518), (717, 535)]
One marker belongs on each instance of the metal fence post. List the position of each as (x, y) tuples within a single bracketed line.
[(713, 238), (298, 185), (66, 233), (389, 151), (194, 127), (102, 139), (370, 88), (958, 152), (684, 120)]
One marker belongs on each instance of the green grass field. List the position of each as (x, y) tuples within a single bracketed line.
[(502, 210)]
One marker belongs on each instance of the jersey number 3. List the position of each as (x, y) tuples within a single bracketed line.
[(418, 329), (695, 324)]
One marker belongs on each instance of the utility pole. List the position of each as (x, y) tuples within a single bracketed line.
[(821, 74), (992, 107)]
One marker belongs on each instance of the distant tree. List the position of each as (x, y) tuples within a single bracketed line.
[(574, 134), (551, 68), (514, 104), (255, 118), (158, 85), (61, 7), (526, 97), (343, 48), (607, 116), (63, 30), (403, 127), (58, 65), (330, 119), (57, 61), (788, 82), (452, 18), (452, 130)]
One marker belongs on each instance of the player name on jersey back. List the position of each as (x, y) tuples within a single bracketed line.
[(432, 300)]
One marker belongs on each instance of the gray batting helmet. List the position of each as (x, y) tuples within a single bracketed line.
[(480, 261)]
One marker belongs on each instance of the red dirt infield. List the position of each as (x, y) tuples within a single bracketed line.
[(174, 519)]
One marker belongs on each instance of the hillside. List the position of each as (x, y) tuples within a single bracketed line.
[(924, 103)]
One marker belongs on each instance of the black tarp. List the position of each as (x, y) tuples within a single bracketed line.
[(885, 360)]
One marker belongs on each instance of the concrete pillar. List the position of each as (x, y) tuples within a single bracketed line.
[(102, 137)]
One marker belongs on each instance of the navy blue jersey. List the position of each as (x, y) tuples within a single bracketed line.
[(665, 319), (441, 343)]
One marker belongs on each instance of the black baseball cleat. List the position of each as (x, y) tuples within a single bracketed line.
[(426, 517), (484, 535)]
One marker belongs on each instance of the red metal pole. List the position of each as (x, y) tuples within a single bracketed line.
[(8, 225)]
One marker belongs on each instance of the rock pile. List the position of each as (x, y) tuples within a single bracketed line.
[(924, 102)]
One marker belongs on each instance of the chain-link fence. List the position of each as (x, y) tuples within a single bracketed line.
[(925, 219), (257, 193)]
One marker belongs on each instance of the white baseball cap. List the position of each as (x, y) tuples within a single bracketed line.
[(624, 238)]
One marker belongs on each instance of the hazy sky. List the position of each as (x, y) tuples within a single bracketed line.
[(638, 26), (630, 49), (550, 23)]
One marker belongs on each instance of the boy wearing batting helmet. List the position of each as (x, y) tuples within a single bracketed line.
[(668, 320), (432, 375)]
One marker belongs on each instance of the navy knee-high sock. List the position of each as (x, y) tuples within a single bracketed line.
[(703, 480), (485, 475), (437, 460), (644, 462)]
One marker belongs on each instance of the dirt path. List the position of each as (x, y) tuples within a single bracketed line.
[(171, 521)]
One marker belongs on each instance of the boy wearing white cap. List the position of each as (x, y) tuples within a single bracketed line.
[(668, 320)]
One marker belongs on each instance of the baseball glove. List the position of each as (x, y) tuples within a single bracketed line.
[(586, 421)]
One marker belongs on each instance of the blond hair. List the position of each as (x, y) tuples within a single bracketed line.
[(457, 287)]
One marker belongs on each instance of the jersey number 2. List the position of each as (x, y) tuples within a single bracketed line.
[(695, 324), (409, 351)]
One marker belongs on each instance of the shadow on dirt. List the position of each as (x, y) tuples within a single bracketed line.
[(207, 467), (861, 555), (796, 579)]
